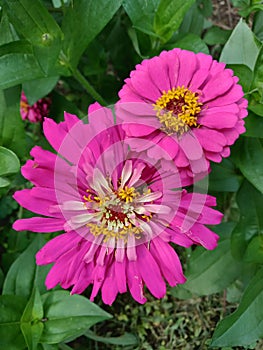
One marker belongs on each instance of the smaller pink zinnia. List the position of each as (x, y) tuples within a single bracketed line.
[(35, 113), (120, 212), (195, 109)]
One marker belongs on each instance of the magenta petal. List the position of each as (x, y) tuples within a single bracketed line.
[(39, 206), (219, 120), (120, 274), (109, 288), (141, 84), (203, 236), (217, 86), (150, 272), (135, 282), (56, 247), (55, 133), (186, 70), (158, 73), (168, 262), (38, 224)]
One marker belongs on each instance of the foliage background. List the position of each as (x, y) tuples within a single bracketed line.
[(80, 51)]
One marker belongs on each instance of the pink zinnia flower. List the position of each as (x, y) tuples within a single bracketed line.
[(35, 113), (118, 210), (195, 109)]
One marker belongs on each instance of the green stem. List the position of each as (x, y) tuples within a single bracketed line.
[(88, 87)]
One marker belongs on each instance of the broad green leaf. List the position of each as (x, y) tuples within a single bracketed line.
[(245, 325), (68, 316), (17, 64), (35, 24), (11, 309), (31, 320), (6, 33), (250, 202), (242, 47), (9, 164), (83, 20), (12, 133), (244, 74), (223, 177), (248, 159), (141, 13), (193, 21), (191, 42), (257, 109), (254, 126), (125, 339), (169, 16), (38, 88), (216, 36), (258, 25), (212, 271), (24, 274), (254, 252)]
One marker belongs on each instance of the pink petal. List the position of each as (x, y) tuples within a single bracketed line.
[(37, 224), (150, 272)]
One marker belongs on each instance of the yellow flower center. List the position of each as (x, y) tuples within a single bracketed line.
[(115, 213), (177, 110), (24, 106), (127, 193)]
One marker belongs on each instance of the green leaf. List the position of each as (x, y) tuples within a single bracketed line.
[(212, 271), (247, 158), (193, 21), (6, 33), (125, 339), (242, 47), (258, 25), (31, 320), (244, 74), (68, 316), (190, 42), (35, 24), (11, 309), (216, 36), (223, 177), (250, 202), (257, 109), (83, 20), (24, 274), (169, 16), (12, 132), (254, 252), (245, 325), (9, 164), (38, 88), (1, 278), (254, 126), (17, 64), (141, 13)]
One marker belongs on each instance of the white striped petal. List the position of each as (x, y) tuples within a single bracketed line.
[(126, 172)]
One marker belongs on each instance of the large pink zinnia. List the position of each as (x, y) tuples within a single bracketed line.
[(195, 109), (118, 210)]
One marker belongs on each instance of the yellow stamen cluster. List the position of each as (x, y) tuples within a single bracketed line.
[(177, 110), (98, 230), (115, 212), (127, 194), (24, 106)]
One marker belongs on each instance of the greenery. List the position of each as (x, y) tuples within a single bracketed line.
[(78, 52)]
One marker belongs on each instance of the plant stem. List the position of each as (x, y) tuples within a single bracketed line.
[(88, 87)]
